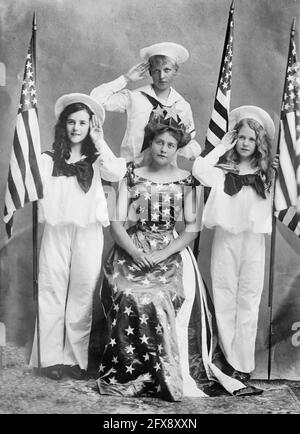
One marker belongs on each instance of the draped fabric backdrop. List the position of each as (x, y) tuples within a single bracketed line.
[(82, 44)]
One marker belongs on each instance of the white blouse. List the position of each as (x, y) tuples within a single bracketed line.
[(65, 202), (244, 211)]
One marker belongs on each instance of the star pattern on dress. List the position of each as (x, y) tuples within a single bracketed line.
[(167, 198), (121, 261), (167, 224), (158, 329), (153, 243), (112, 342), (115, 360), (128, 291), (130, 368), (144, 339), (166, 239), (154, 216), (162, 279), (128, 310), (160, 348), (146, 357), (145, 300), (129, 349), (166, 212), (130, 276), (101, 367), (144, 318), (129, 330), (113, 380), (157, 366), (146, 281), (116, 307)]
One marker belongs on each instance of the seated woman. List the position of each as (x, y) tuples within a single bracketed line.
[(143, 286)]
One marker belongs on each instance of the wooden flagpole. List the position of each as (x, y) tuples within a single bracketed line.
[(35, 225), (273, 235)]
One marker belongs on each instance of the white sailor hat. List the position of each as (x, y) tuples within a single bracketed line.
[(71, 98), (252, 112), (170, 49)]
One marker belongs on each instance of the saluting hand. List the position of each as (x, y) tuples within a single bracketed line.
[(229, 140), (96, 131), (137, 72)]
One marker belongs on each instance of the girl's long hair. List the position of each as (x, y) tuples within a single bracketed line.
[(262, 158), (61, 144)]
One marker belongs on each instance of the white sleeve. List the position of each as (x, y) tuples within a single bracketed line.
[(112, 168), (112, 95), (190, 151), (204, 170)]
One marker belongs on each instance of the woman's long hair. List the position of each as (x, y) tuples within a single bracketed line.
[(262, 158), (61, 144)]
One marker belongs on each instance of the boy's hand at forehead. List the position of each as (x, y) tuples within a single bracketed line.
[(137, 72)]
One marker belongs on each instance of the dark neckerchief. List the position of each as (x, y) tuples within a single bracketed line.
[(82, 169), (234, 183), (158, 110)]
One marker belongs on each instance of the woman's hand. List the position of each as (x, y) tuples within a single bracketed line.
[(275, 162), (229, 140), (96, 131), (158, 256), (141, 260), (137, 72)]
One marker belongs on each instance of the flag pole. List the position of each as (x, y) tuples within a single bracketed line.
[(274, 226), (203, 153), (35, 225)]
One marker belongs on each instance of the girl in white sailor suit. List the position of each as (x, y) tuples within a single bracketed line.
[(74, 210), (239, 207)]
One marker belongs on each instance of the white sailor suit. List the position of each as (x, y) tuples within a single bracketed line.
[(70, 257), (238, 258)]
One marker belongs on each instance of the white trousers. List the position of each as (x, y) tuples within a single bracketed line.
[(69, 266), (237, 270)]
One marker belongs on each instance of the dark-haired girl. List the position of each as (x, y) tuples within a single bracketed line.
[(74, 210)]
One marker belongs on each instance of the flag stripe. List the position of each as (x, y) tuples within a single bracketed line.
[(218, 124), (31, 128)]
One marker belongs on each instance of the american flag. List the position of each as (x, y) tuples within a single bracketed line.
[(218, 124), (24, 181), (287, 188)]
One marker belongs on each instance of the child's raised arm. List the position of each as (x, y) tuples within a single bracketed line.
[(203, 168)]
